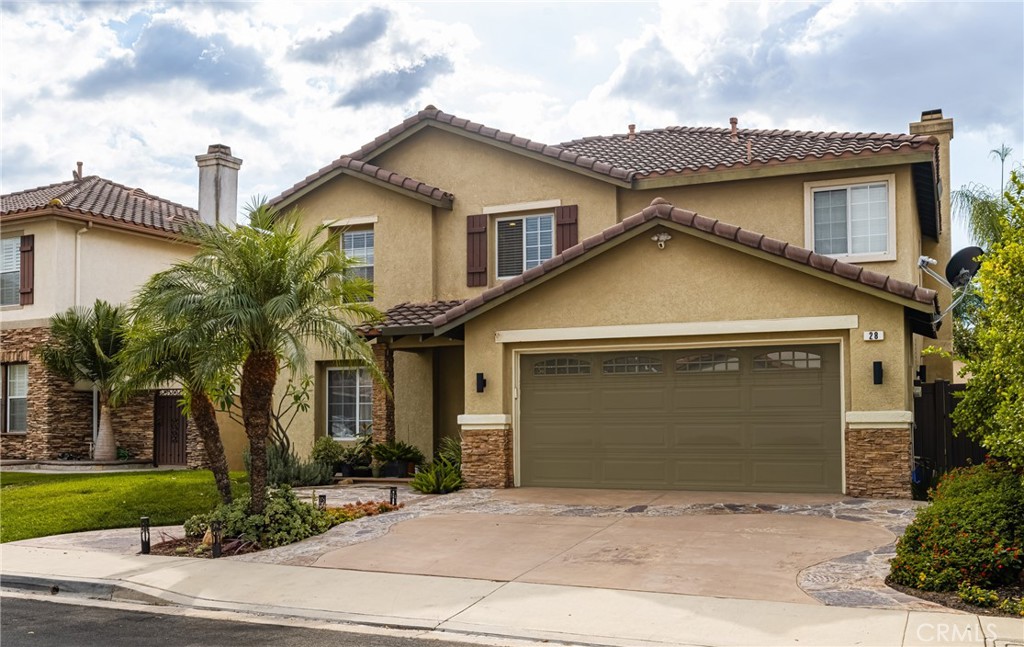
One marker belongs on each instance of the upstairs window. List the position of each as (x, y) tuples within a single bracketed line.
[(10, 271), (852, 221), (523, 243), (358, 246)]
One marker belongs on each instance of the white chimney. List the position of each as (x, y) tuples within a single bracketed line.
[(218, 185)]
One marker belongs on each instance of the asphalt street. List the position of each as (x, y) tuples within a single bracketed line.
[(40, 623)]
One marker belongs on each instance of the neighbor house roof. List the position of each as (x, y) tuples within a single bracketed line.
[(101, 200), (409, 318), (922, 299), (678, 150), (347, 165)]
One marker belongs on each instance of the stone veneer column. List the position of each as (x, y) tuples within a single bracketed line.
[(133, 426), (195, 449), (878, 463), (487, 457), (384, 403)]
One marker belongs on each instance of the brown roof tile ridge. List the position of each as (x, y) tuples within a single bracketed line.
[(148, 196), (13, 194), (761, 132), (370, 170)]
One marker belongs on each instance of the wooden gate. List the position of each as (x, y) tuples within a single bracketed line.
[(935, 445), (169, 429)]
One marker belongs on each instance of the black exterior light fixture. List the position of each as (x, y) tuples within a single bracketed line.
[(877, 370), (394, 495), (216, 529), (321, 501), (144, 534), (481, 383)]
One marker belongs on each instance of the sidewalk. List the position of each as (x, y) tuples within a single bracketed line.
[(519, 610)]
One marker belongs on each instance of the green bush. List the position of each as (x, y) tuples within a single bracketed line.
[(397, 450), (977, 596), (285, 468), (973, 531), (285, 520), (328, 450), (1012, 605), (449, 450), (440, 477)]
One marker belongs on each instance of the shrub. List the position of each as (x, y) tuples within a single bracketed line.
[(327, 450), (440, 477), (976, 595), (285, 468), (397, 450), (285, 520), (973, 531), (449, 450), (358, 510), (1012, 605)]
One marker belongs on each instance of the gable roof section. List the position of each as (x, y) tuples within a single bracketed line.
[(679, 150), (348, 165), (913, 297), (101, 200), (409, 318)]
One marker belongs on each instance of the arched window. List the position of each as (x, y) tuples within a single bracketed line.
[(786, 360), (562, 366), (707, 363), (631, 365)]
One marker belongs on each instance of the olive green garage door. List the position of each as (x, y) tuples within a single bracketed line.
[(742, 419)]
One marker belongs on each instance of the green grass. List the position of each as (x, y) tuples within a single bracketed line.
[(38, 505)]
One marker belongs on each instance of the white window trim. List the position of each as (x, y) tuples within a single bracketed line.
[(327, 400), (522, 217), (17, 238), (521, 206), (349, 222), (845, 183)]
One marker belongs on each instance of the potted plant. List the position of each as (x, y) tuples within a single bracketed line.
[(397, 458)]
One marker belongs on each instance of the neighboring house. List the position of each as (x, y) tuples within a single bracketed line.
[(565, 310), (66, 245)]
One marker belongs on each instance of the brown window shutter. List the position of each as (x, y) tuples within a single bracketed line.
[(28, 273), (476, 250), (566, 231)]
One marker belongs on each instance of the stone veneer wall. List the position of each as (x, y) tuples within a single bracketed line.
[(195, 449), (878, 463), (487, 458), (384, 403), (60, 418)]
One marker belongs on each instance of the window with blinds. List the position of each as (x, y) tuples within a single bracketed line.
[(10, 271), (523, 243), (349, 403)]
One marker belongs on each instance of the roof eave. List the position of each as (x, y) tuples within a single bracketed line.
[(281, 203), (83, 216), (796, 167)]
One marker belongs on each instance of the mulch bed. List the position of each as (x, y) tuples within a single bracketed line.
[(186, 547), (952, 600)]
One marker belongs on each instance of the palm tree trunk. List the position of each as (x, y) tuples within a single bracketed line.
[(205, 418), (106, 445), (259, 374)]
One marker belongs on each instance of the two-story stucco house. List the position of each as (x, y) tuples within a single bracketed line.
[(691, 308), (66, 245)]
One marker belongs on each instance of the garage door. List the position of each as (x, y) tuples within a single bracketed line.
[(757, 419)]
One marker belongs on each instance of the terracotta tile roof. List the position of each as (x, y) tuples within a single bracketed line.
[(397, 180), (108, 200), (430, 113), (678, 150), (661, 209), (409, 315)]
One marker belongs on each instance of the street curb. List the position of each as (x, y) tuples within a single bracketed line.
[(78, 587)]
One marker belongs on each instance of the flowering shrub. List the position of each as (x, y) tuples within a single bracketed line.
[(977, 596), (973, 531)]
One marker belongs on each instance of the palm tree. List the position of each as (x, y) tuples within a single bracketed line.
[(259, 295), (162, 348), (1002, 153), (981, 211), (84, 345)]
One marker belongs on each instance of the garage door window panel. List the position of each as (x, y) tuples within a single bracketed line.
[(784, 360), (707, 363), (561, 366), (632, 365)]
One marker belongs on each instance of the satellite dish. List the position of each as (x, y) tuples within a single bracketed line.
[(963, 266)]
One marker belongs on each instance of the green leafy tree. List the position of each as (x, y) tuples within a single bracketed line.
[(262, 294), (992, 409), (84, 346), (162, 348)]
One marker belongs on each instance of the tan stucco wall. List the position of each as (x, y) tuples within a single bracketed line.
[(481, 175), (450, 393), (775, 206), (414, 400), (112, 266), (690, 281)]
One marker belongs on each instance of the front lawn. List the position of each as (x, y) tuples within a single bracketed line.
[(38, 505)]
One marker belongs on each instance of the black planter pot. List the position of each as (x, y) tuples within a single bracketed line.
[(346, 469), (362, 470), (395, 469)]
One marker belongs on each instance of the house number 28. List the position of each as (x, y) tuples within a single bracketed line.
[(874, 335)]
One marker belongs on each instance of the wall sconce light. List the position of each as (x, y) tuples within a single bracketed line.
[(661, 239), (877, 369), (481, 383)]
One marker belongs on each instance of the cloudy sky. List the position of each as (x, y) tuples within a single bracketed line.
[(136, 90)]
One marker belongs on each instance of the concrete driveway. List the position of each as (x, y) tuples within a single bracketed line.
[(753, 556)]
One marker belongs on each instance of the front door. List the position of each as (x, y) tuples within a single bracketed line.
[(169, 429)]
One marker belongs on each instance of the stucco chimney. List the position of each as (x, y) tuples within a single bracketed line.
[(632, 132), (218, 185)]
